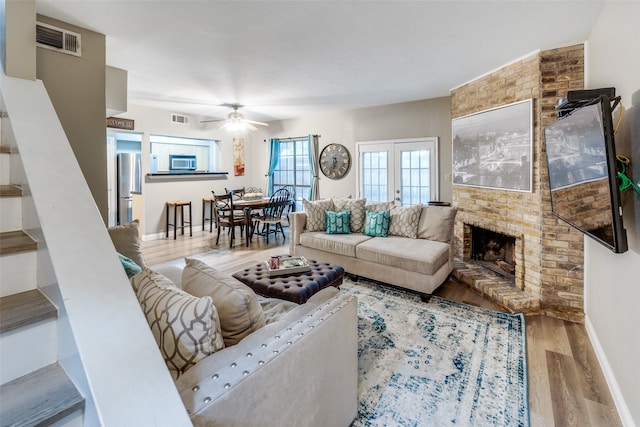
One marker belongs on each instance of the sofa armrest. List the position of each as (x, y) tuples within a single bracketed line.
[(302, 374), (298, 225)]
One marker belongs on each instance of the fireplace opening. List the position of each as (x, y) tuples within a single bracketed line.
[(494, 251)]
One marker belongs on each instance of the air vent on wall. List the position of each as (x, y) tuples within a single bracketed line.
[(179, 118), (58, 39)]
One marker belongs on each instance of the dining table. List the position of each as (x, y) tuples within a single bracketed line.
[(248, 205)]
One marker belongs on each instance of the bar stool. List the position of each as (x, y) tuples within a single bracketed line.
[(207, 201), (178, 204)]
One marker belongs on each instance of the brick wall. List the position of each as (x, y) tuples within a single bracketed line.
[(549, 257)]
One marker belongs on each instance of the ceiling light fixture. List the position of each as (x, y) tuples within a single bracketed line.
[(236, 121)]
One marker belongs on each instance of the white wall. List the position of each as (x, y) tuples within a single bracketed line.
[(612, 287), (157, 122), (398, 121), (425, 118)]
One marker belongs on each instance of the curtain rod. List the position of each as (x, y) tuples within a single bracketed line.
[(295, 137)]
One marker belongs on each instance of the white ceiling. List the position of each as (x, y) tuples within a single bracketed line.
[(285, 59)]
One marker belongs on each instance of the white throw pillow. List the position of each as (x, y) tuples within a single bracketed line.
[(186, 328), (436, 223), (238, 308), (126, 240)]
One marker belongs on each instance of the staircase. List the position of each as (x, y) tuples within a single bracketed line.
[(35, 389)]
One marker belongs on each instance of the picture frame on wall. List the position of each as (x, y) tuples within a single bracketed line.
[(238, 156), (494, 148)]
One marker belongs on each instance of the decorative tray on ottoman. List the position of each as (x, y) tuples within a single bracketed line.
[(290, 265)]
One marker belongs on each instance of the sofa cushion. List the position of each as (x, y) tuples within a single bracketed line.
[(404, 221), (356, 206), (126, 240), (186, 328), (419, 255), (238, 308), (436, 223), (338, 222), (376, 224), (316, 220), (342, 244)]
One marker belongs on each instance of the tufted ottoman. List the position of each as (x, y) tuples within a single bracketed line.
[(298, 287)]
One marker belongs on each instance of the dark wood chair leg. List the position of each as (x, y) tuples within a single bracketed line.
[(175, 221), (167, 221)]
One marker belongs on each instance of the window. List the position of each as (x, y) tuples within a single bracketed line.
[(293, 168), (403, 170)]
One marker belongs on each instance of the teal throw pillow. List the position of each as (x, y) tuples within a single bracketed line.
[(130, 267), (338, 222), (376, 224)]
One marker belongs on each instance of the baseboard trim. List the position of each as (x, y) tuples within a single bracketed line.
[(616, 393), (158, 236)]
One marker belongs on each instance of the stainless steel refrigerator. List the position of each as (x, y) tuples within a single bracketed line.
[(129, 173)]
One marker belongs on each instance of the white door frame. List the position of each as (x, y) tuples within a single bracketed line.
[(393, 146)]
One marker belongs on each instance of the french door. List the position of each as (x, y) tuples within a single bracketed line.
[(405, 171)]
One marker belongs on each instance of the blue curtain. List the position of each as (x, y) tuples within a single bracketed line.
[(274, 154)]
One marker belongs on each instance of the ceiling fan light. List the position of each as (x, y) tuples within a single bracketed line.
[(235, 125)]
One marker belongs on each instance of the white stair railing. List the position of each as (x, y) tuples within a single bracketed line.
[(105, 344)]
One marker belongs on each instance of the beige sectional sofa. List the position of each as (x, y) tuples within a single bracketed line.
[(239, 359), (417, 254)]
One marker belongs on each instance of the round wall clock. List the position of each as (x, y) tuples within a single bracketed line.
[(335, 161)]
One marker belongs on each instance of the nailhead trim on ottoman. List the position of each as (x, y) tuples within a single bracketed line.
[(298, 287)]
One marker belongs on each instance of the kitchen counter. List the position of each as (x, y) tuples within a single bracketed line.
[(184, 176)]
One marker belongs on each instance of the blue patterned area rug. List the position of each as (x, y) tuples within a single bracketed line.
[(440, 363)]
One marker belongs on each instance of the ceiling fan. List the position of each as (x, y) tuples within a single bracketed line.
[(236, 121)]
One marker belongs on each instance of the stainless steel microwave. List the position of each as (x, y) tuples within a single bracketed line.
[(182, 162)]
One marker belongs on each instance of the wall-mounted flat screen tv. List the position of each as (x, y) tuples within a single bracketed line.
[(581, 158)]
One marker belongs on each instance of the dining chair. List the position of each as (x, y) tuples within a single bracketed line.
[(272, 214), (238, 193), (227, 217), (292, 204)]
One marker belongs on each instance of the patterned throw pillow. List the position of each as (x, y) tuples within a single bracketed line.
[(378, 206), (356, 206), (338, 222), (186, 328), (376, 224), (130, 267), (316, 219), (404, 221)]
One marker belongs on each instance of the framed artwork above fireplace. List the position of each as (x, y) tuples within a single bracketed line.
[(494, 148)]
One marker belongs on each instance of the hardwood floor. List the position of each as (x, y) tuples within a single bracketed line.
[(566, 384)]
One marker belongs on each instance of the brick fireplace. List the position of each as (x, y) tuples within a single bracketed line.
[(547, 254)]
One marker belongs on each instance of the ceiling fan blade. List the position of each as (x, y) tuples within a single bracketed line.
[(257, 123), (211, 121), (250, 126)]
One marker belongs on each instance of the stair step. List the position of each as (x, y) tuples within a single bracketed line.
[(39, 398), (12, 242), (23, 309), (5, 166), (10, 191), (10, 213)]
